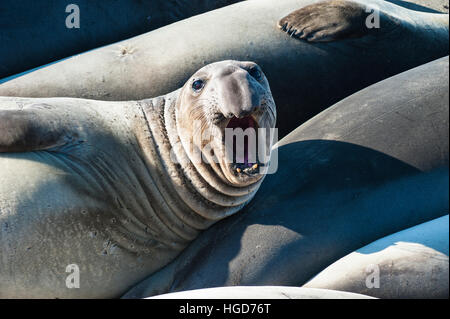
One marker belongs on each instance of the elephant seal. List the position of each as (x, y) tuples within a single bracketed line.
[(369, 166), (261, 292), (409, 264), (36, 33), (306, 76), (113, 189), (434, 6)]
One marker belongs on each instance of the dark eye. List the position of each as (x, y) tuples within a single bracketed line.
[(255, 72), (198, 85)]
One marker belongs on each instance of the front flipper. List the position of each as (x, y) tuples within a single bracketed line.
[(329, 21), (33, 128)]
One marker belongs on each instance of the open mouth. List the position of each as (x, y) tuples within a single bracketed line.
[(244, 149)]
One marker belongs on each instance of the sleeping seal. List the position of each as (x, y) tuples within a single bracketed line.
[(113, 189)]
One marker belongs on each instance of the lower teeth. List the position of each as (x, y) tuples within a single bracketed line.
[(248, 169)]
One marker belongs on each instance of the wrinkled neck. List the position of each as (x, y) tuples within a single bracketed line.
[(183, 186)]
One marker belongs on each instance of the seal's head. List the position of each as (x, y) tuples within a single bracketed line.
[(224, 114)]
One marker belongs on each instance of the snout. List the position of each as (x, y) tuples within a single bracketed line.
[(241, 94)]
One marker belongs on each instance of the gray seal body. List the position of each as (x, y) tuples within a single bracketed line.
[(412, 263), (369, 166)]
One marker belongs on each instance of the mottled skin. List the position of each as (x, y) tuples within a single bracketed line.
[(95, 184)]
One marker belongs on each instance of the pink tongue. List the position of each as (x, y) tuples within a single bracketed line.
[(243, 123)]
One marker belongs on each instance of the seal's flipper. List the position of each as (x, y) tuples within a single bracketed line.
[(30, 129), (327, 21)]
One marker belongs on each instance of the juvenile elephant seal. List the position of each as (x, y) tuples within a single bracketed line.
[(306, 76), (113, 187), (371, 165)]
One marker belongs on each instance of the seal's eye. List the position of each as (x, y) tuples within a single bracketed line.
[(254, 72), (198, 85)]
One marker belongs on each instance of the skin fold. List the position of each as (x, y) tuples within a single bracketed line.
[(112, 187)]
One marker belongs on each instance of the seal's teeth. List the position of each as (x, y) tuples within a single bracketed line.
[(255, 166)]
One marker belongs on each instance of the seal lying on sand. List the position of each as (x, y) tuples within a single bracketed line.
[(371, 165), (114, 187), (306, 77)]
